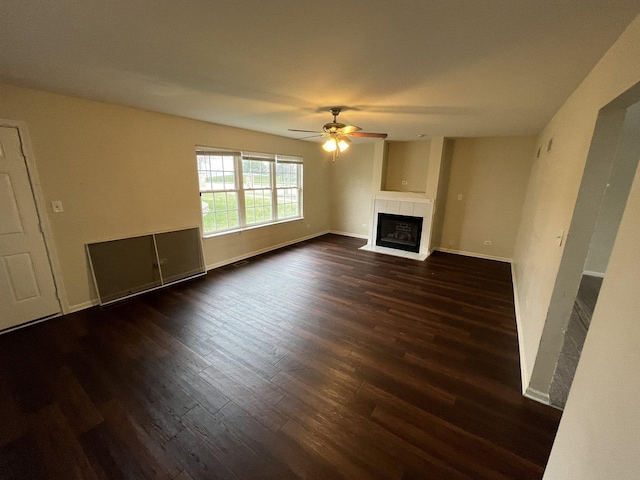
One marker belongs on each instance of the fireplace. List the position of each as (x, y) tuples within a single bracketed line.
[(412, 210), (399, 231)]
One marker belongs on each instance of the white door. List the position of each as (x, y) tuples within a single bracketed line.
[(27, 290)]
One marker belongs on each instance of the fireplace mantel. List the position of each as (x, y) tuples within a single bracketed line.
[(412, 206)]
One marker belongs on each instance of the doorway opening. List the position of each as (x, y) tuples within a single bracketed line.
[(608, 175)]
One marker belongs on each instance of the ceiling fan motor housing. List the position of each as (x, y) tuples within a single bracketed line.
[(333, 127)]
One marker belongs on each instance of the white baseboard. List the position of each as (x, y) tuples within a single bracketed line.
[(473, 254), (229, 261), (537, 395), (524, 374), (82, 306), (540, 397), (347, 234), (395, 252), (28, 324), (593, 274)]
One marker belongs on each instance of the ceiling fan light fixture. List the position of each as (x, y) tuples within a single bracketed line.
[(337, 134), (330, 145), (343, 143)]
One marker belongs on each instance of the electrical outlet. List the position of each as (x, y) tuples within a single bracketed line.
[(405, 183), (460, 196), (364, 225), (487, 242)]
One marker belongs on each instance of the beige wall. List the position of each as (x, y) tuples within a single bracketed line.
[(598, 435), (614, 201), (409, 162), (491, 175), (359, 175), (351, 190), (121, 171), (437, 185), (441, 193), (553, 187)]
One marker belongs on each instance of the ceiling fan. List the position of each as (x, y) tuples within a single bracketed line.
[(338, 134)]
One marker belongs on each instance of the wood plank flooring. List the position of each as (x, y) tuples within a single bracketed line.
[(318, 361)]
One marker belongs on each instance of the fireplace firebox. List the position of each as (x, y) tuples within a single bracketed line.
[(399, 231)]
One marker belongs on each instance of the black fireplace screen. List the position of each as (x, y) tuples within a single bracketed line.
[(399, 231)]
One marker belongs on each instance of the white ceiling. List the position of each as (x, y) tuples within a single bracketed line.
[(405, 67)]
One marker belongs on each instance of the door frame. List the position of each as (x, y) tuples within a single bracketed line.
[(45, 226), (601, 158)]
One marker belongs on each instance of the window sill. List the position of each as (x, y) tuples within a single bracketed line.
[(238, 231)]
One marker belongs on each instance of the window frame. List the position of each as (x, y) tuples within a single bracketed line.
[(298, 187), (270, 187), (240, 190), (213, 191)]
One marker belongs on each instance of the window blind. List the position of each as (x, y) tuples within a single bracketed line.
[(216, 151), (288, 159), (259, 156)]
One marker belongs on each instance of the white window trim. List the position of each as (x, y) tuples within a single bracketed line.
[(222, 233), (239, 190)]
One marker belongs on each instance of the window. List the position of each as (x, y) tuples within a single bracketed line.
[(288, 189), (218, 191), (245, 189), (258, 191)]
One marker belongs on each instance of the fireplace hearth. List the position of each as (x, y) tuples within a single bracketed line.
[(399, 231)]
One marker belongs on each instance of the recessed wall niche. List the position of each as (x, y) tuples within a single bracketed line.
[(405, 166)]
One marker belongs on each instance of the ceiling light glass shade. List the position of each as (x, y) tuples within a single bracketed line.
[(330, 145), (343, 143)]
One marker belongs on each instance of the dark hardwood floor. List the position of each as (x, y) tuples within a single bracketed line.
[(317, 361)]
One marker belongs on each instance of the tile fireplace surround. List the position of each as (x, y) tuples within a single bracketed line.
[(409, 206)]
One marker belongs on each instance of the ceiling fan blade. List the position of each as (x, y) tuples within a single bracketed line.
[(311, 136), (338, 131), (350, 129), (368, 134)]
